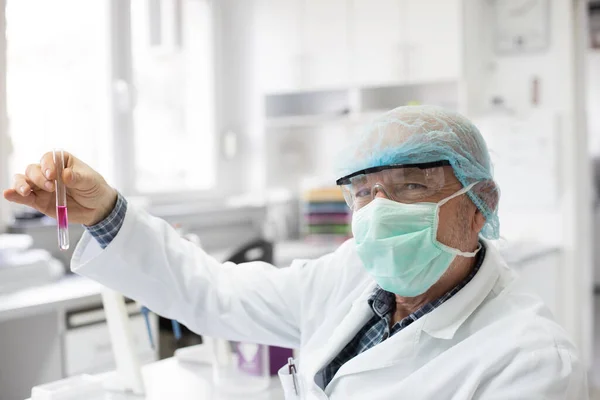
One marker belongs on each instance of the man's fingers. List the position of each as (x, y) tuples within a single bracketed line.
[(43, 204), (34, 174), (47, 166), (22, 185), (16, 197)]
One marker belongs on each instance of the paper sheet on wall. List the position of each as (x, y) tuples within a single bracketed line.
[(524, 154)]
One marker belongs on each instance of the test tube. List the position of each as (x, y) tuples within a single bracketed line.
[(61, 201)]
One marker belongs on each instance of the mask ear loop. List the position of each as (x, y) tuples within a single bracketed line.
[(437, 220), (461, 191)]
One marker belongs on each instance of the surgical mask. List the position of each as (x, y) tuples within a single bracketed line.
[(398, 244)]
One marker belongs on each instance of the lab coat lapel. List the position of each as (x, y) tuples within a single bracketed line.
[(398, 348), (444, 321), (357, 317)]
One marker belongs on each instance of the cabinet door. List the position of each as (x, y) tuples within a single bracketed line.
[(88, 349), (325, 60), (434, 39), (277, 44), (377, 36)]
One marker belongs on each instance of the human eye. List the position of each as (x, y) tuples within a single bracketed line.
[(414, 186), (411, 191), (362, 192)]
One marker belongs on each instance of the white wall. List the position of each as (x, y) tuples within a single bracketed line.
[(560, 72), (5, 147), (593, 100)]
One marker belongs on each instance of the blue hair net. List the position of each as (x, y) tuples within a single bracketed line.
[(420, 134)]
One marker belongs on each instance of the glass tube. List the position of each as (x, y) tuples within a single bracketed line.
[(61, 201)]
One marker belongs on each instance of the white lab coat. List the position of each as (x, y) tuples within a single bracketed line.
[(492, 340)]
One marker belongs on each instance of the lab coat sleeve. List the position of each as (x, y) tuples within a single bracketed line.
[(149, 262), (550, 373)]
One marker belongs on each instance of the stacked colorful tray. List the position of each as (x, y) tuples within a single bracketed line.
[(326, 216)]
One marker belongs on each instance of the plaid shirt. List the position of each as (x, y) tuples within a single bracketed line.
[(377, 329), (106, 230)]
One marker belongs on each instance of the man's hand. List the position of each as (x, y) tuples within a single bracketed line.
[(89, 198)]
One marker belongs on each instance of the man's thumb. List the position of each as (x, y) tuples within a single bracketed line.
[(71, 178)]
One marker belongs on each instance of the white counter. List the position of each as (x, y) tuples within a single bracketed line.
[(71, 291), (171, 379)]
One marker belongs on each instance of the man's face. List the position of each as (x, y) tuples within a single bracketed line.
[(457, 226)]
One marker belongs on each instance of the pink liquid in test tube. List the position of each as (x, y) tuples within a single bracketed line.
[(63, 227), (61, 202), (63, 221)]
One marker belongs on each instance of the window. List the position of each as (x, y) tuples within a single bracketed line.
[(57, 78), (63, 90), (173, 115)]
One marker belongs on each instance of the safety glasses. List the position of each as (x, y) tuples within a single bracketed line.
[(405, 183)]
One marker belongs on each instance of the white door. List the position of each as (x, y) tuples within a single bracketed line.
[(378, 39), (277, 45), (325, 61), (434, 39)]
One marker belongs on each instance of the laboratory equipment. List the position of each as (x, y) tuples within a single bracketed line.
[(61, 200), (87, 345), (128, 376), (146, 313), (11, 243), (247, 370), (33, 267), (176, 327), (22, 267)]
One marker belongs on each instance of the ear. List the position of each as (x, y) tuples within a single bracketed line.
[(478, 221)]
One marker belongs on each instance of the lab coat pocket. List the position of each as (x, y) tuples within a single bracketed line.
[(290, 383)]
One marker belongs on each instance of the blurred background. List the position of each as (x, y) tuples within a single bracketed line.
[(225, 116)]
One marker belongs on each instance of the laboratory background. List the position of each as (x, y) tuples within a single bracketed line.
[(224, 117)]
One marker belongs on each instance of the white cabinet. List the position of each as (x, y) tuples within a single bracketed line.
[(277, 44), (433, 30), (378, 51), (325, 44), (87, 345), (301, 44), (406, 41)]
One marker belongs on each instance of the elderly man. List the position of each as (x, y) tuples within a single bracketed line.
[(418, 305)]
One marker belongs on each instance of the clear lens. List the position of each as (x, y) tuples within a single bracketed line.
[(404, 185)]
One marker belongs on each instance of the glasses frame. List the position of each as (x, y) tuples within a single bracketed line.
[(346, 179)]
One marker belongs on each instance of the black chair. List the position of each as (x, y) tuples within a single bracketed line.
[(257, 250)]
